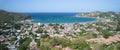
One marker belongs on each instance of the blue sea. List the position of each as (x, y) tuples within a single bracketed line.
[(58, 18)]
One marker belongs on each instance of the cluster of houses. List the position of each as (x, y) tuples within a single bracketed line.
[(57, 31)]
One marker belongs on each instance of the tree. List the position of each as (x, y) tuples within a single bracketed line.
[(44, 35), (118, 24), (24, 43), (39, 31), (3, 47)]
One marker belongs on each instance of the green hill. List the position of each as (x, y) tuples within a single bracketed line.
[(10, 17)]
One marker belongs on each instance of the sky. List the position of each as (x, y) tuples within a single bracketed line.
[(59, 5)]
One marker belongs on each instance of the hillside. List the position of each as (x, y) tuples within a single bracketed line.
[(9, 17), (98, 14), (115, 16)]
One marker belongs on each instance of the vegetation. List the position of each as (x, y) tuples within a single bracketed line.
[(10, 18), (13, 39), (50, 43), (39, 31), (3, 47), (100, 46), (4, 33), (24, 43), (118, 24), (44, 35), (38, 42)]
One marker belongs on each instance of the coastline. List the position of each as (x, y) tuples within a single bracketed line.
[(85, 17), (96, 20)]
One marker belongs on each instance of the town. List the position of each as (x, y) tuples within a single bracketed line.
[(101, 34)]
